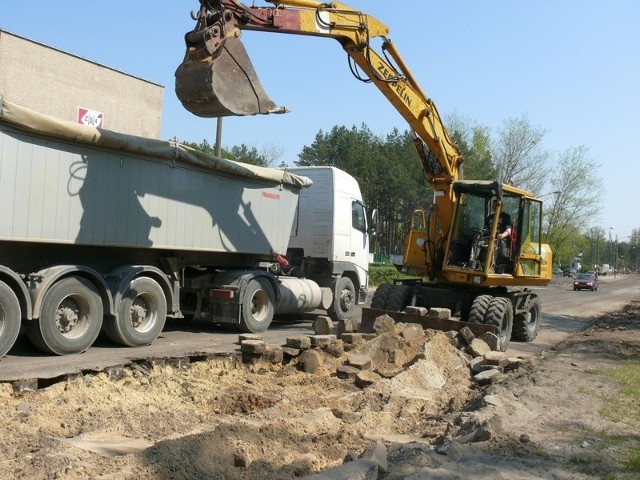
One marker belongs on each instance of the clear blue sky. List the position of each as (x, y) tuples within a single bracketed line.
[(572, 66)]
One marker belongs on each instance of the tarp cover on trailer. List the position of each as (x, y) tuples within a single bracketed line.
[(32, 121)]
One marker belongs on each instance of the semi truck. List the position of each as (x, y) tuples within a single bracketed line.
[(103, 231)]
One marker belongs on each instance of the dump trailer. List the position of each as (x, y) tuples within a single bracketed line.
[(102, 231)]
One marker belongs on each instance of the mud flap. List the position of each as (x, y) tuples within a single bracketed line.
[(224, 85)]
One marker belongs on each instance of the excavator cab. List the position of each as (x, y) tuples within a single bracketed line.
[(475, 252)]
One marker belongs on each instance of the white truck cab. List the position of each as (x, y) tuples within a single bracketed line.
[(330, 229)]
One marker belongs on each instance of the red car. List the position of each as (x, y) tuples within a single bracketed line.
[(585, 280)]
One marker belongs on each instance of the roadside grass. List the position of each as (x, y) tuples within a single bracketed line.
[(380, 273), (618, 455), (624, 406)]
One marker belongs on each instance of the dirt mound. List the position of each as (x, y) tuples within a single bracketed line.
[(226, 419), (267, 419)]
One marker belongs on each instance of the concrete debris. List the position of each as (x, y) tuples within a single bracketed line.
[(440, 313), (486, 377), (310, 360), (491, 339), (351, 337), (480, 430), (359, 361), (253, 346), (384, 324), (322, 340), (478, 348), (322, 325), (366, 378), (346, 325), (421, 311), (467, 335), (301, 342)]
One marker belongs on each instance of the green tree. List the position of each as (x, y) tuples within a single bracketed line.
[(474, 143), (577, 204), (241, 153), (519, 154)]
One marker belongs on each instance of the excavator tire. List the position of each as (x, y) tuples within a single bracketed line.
[(500, 314), (379, 300), (479, 308), (526, 325), (398, 298)]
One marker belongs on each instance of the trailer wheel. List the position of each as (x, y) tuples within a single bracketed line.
[(70, 319), (500, 314), (9, 318), (344, 299), (479, 308), (257, 306), (141, 314), (379, 300), (526, 325)]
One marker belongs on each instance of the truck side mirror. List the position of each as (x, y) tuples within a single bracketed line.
[(373, 226)]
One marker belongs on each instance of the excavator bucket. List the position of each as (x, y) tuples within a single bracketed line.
[(222, 85)]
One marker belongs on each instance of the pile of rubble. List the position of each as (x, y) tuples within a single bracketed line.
[(397, 359), (366, 357)]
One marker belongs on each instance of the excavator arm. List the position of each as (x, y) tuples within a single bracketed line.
[(216, 78)]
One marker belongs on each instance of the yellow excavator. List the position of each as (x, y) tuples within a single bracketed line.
[(479, 248)]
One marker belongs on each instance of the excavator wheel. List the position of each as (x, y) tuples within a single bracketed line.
[(478, 308), (500, 314), (379, 300), (526, 325)]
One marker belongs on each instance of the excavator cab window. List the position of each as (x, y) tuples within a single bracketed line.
[(472, 228), (530, 239), (468, 232)]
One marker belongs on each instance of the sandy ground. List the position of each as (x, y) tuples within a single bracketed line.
[(225, 419)]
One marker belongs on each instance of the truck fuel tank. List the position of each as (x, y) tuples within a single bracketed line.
[(301, 295)]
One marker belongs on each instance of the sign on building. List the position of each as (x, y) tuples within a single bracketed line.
[(90, 117)]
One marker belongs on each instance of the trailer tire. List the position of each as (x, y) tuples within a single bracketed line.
[(526, 325), (257, 306), (9, 318), (379, 300), (344, 299), (479, 308), (70, 320), (142, 314), (500, 314)]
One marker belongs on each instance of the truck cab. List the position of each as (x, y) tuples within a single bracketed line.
[(330, 232)]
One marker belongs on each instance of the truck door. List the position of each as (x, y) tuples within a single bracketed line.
[(359, 236)]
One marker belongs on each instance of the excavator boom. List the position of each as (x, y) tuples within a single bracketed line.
[(217, 78)]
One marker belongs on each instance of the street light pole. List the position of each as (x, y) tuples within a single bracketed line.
[(610, 244)]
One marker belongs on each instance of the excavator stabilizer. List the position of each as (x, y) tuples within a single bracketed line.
[(222, 85)]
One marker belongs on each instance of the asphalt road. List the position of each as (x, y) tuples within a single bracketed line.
[(564, 311)]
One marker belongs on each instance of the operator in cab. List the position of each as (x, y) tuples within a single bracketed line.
[(503, 236), (504, 222)]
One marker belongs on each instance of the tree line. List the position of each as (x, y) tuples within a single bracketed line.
[(390, 175)]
